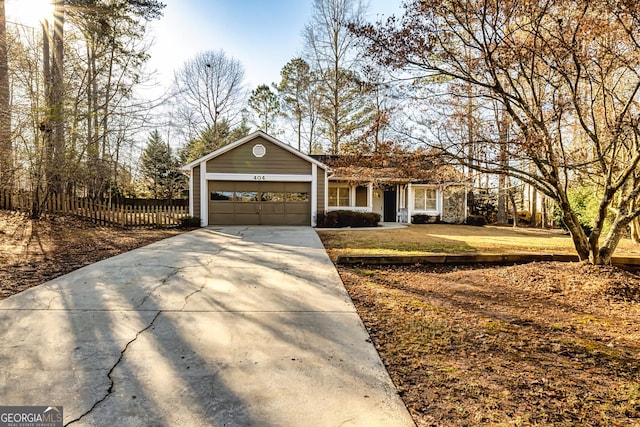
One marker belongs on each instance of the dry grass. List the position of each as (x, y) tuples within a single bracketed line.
[(444, 238), (538, 344), (549, 344)]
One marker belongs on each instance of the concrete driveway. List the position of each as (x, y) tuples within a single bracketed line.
[(234, 326)]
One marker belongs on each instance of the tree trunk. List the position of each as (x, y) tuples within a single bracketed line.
[(514, 207), (534, 207), (635, 230), (580, 240), (502, 178), (6, 147), (55, 182)]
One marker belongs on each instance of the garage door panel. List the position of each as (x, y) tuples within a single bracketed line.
[(221, 219), (272, 186), (222, 207), (273, 208), (298, 208), (297, 219), (298, 186), (255, 203)]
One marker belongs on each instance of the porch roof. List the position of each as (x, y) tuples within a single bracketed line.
[(391, 175)]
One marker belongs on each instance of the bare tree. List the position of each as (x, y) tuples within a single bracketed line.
[(208, 89), (566, 73), (6, 148), (331, 50)]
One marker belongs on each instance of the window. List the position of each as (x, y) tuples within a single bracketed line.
[(298, 197), (361, 196), (338, 196), (246, 196), (272, 197), (222, 195), (424, 199)]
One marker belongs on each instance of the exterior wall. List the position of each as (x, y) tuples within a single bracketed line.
[(275, 161), (322, 191), (453, 205), (365, 197), (195, 191)]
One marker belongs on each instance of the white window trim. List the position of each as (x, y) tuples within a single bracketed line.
[(337, 207), (412, 200)]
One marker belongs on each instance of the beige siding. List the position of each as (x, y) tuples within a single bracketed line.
[(321, 190), (276, 161), (195, 191)]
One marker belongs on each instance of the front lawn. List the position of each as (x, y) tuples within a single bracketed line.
[(536, 344), (445, 238)]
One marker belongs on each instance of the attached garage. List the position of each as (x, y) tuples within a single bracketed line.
[(259, 203), (257, 180)]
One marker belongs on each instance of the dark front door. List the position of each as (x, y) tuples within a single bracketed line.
[(390, 196)]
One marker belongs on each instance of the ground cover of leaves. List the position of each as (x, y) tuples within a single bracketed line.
[(35, 251), (536, 344)]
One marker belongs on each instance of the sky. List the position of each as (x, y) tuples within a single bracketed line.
[(262, 34)]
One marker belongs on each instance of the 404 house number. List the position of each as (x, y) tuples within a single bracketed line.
[(259, 178)]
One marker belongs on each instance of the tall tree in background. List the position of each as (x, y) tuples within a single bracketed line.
[(300, 99), (266, 106), (209, 140), (331, 50), (54, 124), (6, 146), (112, 36), (565, 72), (208, 89)]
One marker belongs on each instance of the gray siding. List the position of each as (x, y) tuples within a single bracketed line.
[(276, 161)]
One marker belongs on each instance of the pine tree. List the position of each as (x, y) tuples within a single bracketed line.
[(159, 168)]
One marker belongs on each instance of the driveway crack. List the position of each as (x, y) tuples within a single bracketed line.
[(164, 282), (110, 373)]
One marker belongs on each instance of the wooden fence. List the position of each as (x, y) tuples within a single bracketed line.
[(121, 213)]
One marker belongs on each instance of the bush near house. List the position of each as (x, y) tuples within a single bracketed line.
[(425, 219), (189, 222), (338, 219), (477, 220)]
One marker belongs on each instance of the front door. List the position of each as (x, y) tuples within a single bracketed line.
[(390, 198)]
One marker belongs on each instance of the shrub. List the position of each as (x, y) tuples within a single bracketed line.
[(189, 222), (338, 219), (477, 220), (425, 219)]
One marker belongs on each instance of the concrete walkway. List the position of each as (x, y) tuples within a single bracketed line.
[(218, 327)]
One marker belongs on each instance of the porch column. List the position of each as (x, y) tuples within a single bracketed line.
[(370, 196), (314, 195), (409, 202)]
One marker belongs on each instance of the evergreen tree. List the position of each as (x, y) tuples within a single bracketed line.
[(160, 168), (266, 107), (212, 139)]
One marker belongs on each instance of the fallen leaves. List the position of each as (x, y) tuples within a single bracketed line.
[(33, 252), (542, 343)]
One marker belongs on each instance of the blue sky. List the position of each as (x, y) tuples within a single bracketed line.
[(262, 34)]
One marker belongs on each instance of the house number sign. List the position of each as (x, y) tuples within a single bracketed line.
[(259, 178)]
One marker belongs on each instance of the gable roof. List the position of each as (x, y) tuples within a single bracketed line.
[(248, 138)]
